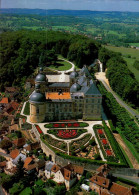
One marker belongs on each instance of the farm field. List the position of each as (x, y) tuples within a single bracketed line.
[(130, 55)]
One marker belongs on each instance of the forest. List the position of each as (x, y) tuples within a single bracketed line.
[(116, 28), (20, 52)]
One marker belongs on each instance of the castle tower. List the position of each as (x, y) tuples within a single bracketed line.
[(73, 77), (37, 105), (42, 80)]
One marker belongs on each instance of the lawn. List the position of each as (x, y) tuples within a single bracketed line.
[(134, 53), (61, 65), (27, 109), (134, 44)]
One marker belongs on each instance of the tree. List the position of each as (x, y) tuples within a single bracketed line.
[(5, 144), (17, 188)]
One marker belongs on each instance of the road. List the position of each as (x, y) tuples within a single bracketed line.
[(102, 77)]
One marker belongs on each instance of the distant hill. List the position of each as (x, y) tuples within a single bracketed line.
[(63, 12)]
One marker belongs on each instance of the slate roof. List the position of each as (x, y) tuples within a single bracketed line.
[(85, 70), (93, 90), (59, 84), (49, 166), (37, 97), (22, 156)]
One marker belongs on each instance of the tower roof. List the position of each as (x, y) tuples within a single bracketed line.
[(75, 87), (74, 74), (37, 97), (40, 78)]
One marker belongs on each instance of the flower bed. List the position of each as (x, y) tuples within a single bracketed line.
[(104, 141), (109, 153), (67, 133), (39, 129), (62, 125), (100, 131)]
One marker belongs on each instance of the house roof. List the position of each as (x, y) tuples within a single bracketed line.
[(49, 165), (104, 167), (120, 190), (14, 105), (101, 181), (14, 127), (67, 174), (75, 168), (19, 142), (27, 161), (20, 156), (3, 164), (55, 168), (4, 100), (14, 153)]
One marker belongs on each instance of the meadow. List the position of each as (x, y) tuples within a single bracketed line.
[(130, 55)]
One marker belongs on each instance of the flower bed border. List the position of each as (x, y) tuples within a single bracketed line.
[(81, 124)]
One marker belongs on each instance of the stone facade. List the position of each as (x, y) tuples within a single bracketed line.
[(78, 99)]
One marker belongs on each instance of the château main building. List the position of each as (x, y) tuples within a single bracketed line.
[(77, 99)]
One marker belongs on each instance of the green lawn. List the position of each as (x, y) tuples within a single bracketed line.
[(134, 53), (61, 65), (27, 109)]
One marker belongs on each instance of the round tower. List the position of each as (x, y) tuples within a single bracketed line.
[(37, 105), (42, 80)]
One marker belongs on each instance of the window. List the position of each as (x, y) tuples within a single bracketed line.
[(86, 101), (37, 110), (92, 100)]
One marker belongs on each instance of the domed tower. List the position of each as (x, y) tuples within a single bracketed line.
[(73, 77), (37, 105), (42, 80), (75, 88)]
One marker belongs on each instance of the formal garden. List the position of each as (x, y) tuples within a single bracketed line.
[(84, 147)]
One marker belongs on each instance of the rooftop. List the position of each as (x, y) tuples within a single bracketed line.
[(14, 153), (56, 95), (120, 190), (4, 100)]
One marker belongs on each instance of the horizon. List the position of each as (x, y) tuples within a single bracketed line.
[(89, 5)]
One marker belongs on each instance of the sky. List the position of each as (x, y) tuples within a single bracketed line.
[(94, 5)]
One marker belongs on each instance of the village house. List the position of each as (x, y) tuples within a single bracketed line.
[(68, 174), (101, 184)]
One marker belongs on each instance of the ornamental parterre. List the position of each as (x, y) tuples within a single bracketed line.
[(67, 134)]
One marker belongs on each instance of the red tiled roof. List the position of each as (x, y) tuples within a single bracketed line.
[(14, 127), (101, 181), (120, 190), (27, 161), (19, 142), (14, 105), (55, 168), (104, 168), (67, 174), (3, 164), (75, 168), (4, 100), (14, 153)]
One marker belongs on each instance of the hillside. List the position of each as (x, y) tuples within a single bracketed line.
[(130, 55)]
